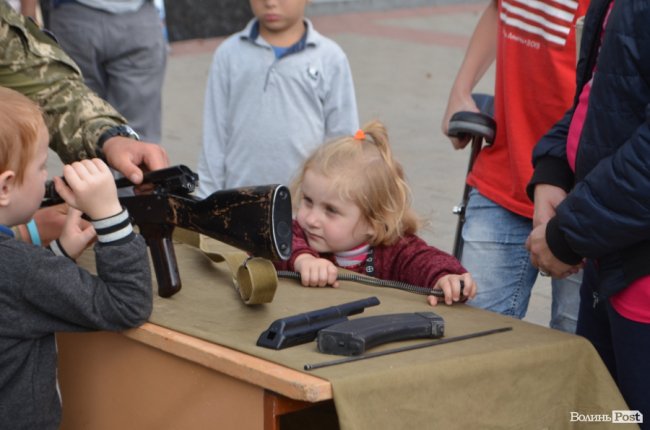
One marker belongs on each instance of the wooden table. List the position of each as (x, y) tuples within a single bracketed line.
[(155, 378), (196, 365)]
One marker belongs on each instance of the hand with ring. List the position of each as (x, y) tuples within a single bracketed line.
[(542, 257)]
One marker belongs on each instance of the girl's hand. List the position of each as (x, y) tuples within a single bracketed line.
[(450, 284), (77, 234), (316, 272)]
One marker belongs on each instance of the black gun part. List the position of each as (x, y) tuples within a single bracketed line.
[(303, 328), (254, 219), (406, 348), (356, 336), (176, 179)]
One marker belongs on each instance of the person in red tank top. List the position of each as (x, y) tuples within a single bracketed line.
[(534, 46)]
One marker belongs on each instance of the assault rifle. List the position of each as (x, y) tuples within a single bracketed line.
[(255, 219)]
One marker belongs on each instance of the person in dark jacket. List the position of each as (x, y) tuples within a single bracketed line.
[(42, 290), (353, 211), (593, 165)]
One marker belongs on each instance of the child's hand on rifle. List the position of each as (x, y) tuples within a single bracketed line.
[(451, 285), (316, 272), (77, 234), (90, 187)]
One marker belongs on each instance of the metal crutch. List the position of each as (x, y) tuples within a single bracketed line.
[(480, 126)]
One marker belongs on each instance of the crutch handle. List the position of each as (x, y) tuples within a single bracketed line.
[(470, 124)]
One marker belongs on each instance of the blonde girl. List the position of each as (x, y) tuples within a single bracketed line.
[(353, 210)]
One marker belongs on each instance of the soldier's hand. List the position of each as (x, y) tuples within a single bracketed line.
[(128, 155)]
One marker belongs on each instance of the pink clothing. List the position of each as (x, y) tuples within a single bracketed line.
[(580, 113), (577, 121), (633, 302), (353, 257)]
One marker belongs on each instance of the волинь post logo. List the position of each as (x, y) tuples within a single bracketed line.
[(616, 417)]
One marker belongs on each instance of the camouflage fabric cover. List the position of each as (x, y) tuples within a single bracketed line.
[(32, 63)]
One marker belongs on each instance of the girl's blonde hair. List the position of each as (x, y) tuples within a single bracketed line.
[(364, 171), (20, 120)]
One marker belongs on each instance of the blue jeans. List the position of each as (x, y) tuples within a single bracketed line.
[(495, 255)]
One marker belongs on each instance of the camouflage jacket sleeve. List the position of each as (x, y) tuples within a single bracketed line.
[(32, 63)]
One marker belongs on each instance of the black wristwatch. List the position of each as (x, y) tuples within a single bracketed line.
[(118, 130)]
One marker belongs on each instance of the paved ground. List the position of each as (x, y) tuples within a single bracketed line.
[(403, 62)]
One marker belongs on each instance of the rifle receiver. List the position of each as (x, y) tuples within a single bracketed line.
[(254, 219)]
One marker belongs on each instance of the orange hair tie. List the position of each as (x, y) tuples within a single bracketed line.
[(360, 135)]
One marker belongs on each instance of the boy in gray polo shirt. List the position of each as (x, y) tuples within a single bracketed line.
[(275, 91)]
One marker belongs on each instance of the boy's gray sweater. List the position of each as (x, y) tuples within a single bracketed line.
[(40, 294)]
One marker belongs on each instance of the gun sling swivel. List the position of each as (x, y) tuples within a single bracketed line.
[(406, 348)]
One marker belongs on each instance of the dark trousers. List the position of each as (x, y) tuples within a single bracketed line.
[(122, 57), (623, 344)]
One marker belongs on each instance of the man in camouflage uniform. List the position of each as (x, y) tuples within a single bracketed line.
[(32, 63)]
